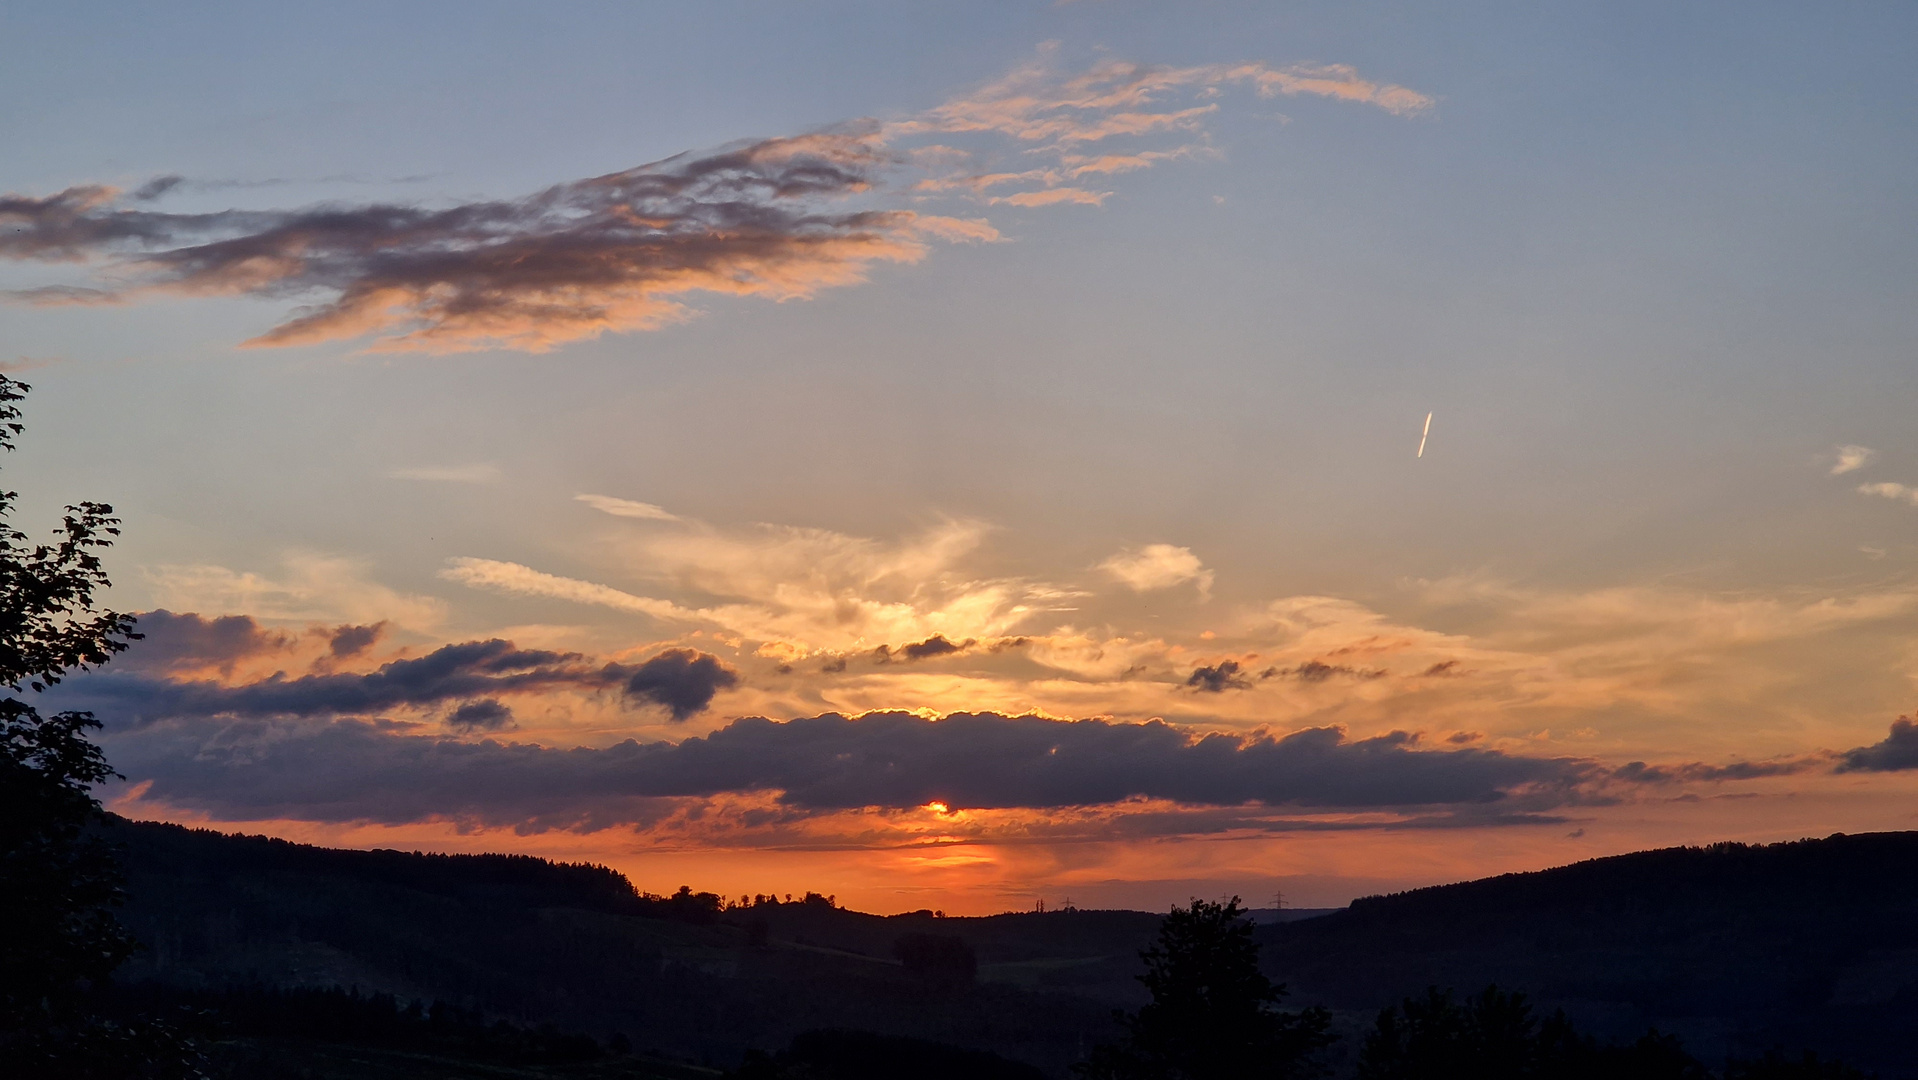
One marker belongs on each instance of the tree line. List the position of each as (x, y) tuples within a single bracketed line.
[(1215, 1016)]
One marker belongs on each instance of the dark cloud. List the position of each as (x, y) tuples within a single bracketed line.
[(173, 640), (156, 187), (483, 715), (934, 646), (1751, 770), (1898, 751), (347, 770), (1314, 671), (613, 252), (1637, 772), (74, 224), (348, 641), (172, 183), (1442, 668), (681, 680), (1218, 678)]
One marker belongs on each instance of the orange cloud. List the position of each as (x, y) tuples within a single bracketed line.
[(1055, 196), (1038, 104)]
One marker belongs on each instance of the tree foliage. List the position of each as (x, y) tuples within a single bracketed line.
[(1494, 1036), (1213, 1014), (58, 883), (49, 625)]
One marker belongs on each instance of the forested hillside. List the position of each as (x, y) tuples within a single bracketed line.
[(1738, 948), (577, 947)]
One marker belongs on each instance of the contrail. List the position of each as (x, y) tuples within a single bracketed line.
[(1423, 434)]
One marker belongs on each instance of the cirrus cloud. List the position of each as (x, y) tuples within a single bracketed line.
[(779, 218), (626, 508), (813, 589)]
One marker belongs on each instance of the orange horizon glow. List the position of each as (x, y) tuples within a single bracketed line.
[(962, 876)]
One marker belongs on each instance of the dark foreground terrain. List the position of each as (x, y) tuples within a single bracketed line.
[(1737, 948), (537, 968)]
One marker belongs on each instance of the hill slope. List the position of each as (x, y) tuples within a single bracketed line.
[(576, 947), (1738, 948)]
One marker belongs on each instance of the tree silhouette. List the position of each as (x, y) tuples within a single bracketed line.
[(1213, 1014), (1493, 1036), (58, 883)]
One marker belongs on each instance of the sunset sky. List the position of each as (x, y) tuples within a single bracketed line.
[(955, 455)]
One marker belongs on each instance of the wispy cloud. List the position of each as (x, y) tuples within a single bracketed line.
[(1061, 116), (777, 218), (614, 252), (310, 586), (1900, 492), (28, 363), (627, 508), (1039, 104), (1054, 197), (522, 580), (810, 589), (1851, 458)]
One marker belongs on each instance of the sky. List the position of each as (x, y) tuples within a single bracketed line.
[(958, 455)]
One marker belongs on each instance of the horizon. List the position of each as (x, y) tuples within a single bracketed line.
[(956, 457), (1248, 906)]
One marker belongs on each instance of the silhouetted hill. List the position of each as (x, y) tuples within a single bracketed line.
[(576, 947), (1737, 948), (1810, 944)]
